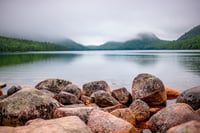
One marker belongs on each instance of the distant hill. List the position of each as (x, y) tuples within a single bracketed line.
[(194, 32), (71, 45), (13, 45)]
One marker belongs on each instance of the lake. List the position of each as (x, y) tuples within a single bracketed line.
[(177, 69)]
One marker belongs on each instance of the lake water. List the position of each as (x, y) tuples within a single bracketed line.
[(177, 69)]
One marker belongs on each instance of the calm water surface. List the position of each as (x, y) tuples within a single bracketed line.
[(177, 69)]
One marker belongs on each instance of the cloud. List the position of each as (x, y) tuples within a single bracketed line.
[(96, 21)]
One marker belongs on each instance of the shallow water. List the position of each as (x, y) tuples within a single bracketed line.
[(177, 69)]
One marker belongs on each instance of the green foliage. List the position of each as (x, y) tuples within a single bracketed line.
[(13, 45), (192, 33)]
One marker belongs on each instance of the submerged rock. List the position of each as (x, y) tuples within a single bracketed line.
[(190, 97), (73, 89), (122, 95), (140, 109), (171, 116), (71, 124), (104, 99), (149, 89), (188, 127), (53, 85), (28, 103), (67, 98), (125, 114), (104, 122), (91, 87)]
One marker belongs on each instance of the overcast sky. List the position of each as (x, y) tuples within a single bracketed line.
[(97, 21)]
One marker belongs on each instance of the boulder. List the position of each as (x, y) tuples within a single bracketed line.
[(125, 114), (91, 87), (122, 95), (104, 122), (71, 124), (2, 85), (154, 109), (171, 116), (26, 104), (104, 99), (87, 100), (111, 108), (188, 127), (13, 89), (190, 97), (140, 109), (82, 112), (67, 98), (198, 111), (53, 85), (172, 93), (149, 89), (73, 89), (1, 92)]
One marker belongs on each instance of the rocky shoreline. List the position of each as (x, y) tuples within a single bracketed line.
[(58, 105)]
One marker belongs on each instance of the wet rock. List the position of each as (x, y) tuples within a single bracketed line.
[(125, 114), (71, 124), (188, 127), (104, 122), (94, 86), (111, 108), (149, 89), (172, 93), (2, 85), (140, 109), (171, 116), (190, 97), (82, 112), (122, 95), (26, 104), (73, 89), (53, 85), (13, 89), (87, 100), (104, 99), (67, 98)]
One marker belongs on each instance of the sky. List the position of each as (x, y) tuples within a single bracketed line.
[(94, 22)]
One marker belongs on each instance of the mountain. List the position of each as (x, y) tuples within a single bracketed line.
[(13, 45), (194, 32), (72, 45), (142, 41)]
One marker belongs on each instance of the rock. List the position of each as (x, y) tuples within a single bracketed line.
[(154, 109), (82, 112), (13, 89), (122, 95), (87, 100), (149, 89), (53, 85), (104, 99), (103, 122), (73, 89), (1, 92), (198, 111), (71, 124), (140, 109), (26, 104), (172, 93), (3, 97), (171, 116), (188, 127), (190, 97), (67, 98), (2, 85), (125, 114), (94, 86), (111, 108)]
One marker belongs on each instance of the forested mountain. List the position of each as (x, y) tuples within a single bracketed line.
[(144, 41), (13, 45)]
